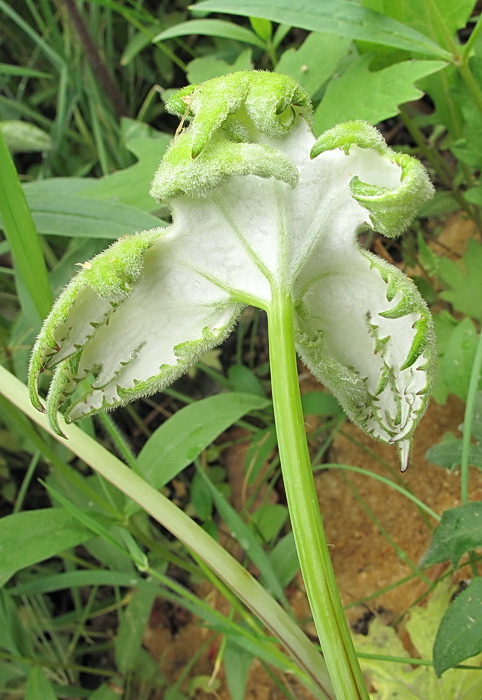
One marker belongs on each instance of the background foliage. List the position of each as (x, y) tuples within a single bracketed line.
[(83, 86)]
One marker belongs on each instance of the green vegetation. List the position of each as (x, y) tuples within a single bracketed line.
[(88, 95)]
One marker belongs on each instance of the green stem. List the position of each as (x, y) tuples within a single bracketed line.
[(472, 85), (467, 50), (186, 531), (460, 57), (313, 553), (438, 21), (468, 420), (467, 435)]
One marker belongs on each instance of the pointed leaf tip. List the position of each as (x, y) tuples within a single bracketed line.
[(404, 447)]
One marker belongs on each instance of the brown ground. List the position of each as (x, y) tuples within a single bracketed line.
[(369, 552)]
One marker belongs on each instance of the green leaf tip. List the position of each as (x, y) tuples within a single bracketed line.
[(226, 119), (391, 209), (355, 133)]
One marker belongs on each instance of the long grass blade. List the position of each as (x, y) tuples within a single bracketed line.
[(22, 235)]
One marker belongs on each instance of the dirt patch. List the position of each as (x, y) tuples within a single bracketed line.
[(377, 539), (378, 535)]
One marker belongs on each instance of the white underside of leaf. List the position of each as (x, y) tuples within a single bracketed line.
[(87, 310), (170, 306), (342, 309), (234, 246)]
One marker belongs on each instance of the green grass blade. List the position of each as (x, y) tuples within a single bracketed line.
[(22, 235), (9, 69), (187, 532), (37, 40)]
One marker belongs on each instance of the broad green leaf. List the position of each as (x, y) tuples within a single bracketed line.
[(236, 664), (460, 633), (459, 531), (444, 324), (245, 381), (315, 61), (392, 679), (182, 438), (207, 67), (448, 453), (106, 691), (334, 17), (32, 536), (284, 559), (464, 280), (458, 358), (455, 15), (211, 27), (85, 217), (133, 623), (373, 96), (38, 686), (269, 519), (319, 403), (474, 195), (262, 27), (131, 185), (23, 240), (22, 137)]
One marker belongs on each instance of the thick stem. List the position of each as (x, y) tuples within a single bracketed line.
[(468, 420), (313, 554)]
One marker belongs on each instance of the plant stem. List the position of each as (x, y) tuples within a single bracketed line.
[(468, 420), (189, 533), (474, 35), (460, 57), (313, 554), (471, 83)]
